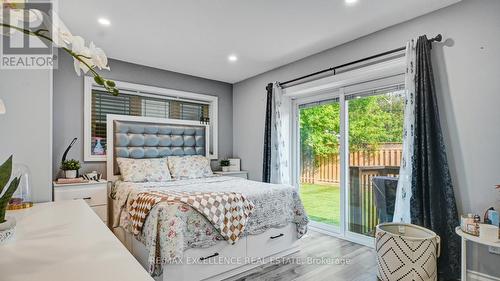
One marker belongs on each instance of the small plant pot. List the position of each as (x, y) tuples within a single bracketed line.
[(70, 174), (8, 230), (225, 169)]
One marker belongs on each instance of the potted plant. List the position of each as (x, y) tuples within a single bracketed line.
[(225, 165), (7, 226), (70, 168)]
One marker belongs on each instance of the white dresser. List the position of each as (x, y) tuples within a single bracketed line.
[(94, 193), (66, 240)]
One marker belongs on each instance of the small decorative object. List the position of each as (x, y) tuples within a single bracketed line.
[(22, 197), (67, 150), (234, 164), (488, 232), (489, 214), (225, 165), (412, 248), (7, 225), (93, 176), (70, 168), (493, 216), (470, 224), (98, 148)]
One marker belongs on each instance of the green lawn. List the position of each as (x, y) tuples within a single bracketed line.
[(322, 202)]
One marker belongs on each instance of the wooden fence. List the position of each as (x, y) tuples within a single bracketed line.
[(363, 166), (326, 169)]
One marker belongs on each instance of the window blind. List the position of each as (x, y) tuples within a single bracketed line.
[(140, 105), (377, 91), (318, 103)]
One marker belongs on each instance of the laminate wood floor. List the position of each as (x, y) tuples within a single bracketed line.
[(319, 247)]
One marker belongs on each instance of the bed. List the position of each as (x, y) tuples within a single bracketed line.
[(177, 241)]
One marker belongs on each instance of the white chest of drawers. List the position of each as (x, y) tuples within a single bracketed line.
[(94, 193)]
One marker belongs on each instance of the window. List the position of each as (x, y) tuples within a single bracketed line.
[(140, 100)]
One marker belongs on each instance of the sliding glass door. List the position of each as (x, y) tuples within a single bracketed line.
[(320, 162), (348, 147), (374, 144)]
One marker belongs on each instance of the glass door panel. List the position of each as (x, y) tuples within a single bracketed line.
[(374, 143), (319, 129)]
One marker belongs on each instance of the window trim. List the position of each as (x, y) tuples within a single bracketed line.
[(145, 90)]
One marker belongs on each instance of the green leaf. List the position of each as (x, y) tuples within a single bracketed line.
[(5, 171), (99, 80), (5, 199), (110, 83), (115, 92)]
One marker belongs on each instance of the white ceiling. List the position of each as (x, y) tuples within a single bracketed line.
[(196, 36)]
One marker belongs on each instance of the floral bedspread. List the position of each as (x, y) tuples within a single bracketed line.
[(172, 228)]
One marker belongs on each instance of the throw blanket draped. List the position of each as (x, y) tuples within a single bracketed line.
[(228, 212)]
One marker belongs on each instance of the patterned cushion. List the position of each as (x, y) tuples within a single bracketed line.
[(144, 170), (189, 167)]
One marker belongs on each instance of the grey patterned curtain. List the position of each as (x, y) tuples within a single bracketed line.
[(433, 202), (266, 168)]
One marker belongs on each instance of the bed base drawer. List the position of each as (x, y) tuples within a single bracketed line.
[(273, 241), (222, 260)]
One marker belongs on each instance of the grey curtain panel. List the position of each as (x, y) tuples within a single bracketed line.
[(266, 168), (433, 202)]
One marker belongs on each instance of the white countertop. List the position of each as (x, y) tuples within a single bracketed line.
[(66, 240)]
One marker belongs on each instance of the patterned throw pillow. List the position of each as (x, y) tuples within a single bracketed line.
[(144, 170), (189, 167)]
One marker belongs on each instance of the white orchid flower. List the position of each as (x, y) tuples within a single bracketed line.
[(83, 53), (98, 56)]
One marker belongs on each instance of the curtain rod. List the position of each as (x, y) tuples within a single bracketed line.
[(438, 38)]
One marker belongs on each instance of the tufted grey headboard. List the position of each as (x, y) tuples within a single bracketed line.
[(143, 137)]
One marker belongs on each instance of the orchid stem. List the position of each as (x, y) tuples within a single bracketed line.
[(70, 52)]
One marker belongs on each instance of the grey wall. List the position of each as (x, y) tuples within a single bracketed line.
[(68, 104), (467, 69), (26, 129)]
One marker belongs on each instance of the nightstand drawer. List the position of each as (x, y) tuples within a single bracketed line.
[(93, 195)]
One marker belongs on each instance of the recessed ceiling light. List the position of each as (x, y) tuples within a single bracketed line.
[(232, 58), (104, 21), (350, 2)]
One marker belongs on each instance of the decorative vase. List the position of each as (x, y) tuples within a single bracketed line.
[(70, 174), (225, 169), (8, 230)]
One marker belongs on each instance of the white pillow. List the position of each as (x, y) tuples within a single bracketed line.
[(144, 170), (189, 167)]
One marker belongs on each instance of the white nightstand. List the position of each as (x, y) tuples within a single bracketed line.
[(95, 193), (239, 174)]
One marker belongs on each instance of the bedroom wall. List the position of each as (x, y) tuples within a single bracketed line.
[(467, 69), (68, 104), (26, 129)]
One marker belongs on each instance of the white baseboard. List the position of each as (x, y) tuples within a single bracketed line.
[(478, 276)]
